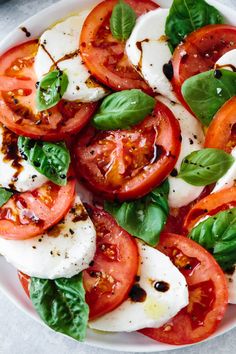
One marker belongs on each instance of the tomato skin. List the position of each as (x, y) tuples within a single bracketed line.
[(199, 53), (25, 282), (103, 160), (210, 205), (221, 133), (17, 100), (112, 274), (207, 288), (104, 55), (29, 214)]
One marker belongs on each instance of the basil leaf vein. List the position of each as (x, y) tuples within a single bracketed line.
[(50, 159), (206, 93), (217, 234), (186, 16), (123, 109), (51, 89), (5, 195), (144, 218), (61, 304), (122, 21), (204, 167)]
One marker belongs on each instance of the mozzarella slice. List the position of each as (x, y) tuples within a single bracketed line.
[(63, 252), (229, 179), (166, 294), (227, 61), (231, 279), (182, 193), (58, 47), (16, 173), (148, 51)]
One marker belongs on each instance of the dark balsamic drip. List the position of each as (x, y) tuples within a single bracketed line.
[(161, 286), (137, 294), (27, 33), (139, 46), (157, 153), (168, 70), (174, 173), (217, 74), (231, 66), (10, 151)]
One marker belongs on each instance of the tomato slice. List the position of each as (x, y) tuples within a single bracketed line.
[(221, 133), (29, 214), (104, 55), (200, 51), (24, 280), (17, 100), (208, 293), (127, 164), (112, 273), (210, 205)]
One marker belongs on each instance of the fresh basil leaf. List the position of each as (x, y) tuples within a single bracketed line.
[(123, 109), (186, 16), (5, 195), (206, 93), (61, 304), (204, 167), (51, 89), (144, 218), (217, 234), (50, 159), (122, 21)]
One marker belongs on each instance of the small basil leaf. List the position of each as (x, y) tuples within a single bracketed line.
[(204, 167), (206, 93), (61, 304), (217, 234), (187, 16), (51, 89), (144, 218), (122, 21), (123, 109), (5, 195), (50, 159)]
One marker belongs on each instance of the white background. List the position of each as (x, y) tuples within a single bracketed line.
[(18, 333)]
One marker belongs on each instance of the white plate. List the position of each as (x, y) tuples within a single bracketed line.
[(9, 283)]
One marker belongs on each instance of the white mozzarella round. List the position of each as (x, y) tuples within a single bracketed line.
[(227, 61), (148, 51), (59, 45), (231, 279), (182, 193), (62, 252), (229, 178), (16, 173), (158, 307)]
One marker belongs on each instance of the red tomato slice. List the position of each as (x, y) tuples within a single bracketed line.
[(17, 100), (127, 164), (200, 51), (221, 133), (29, 214), (104, 55), (210, 205), (112, 273), (208, 293), (24, 279)]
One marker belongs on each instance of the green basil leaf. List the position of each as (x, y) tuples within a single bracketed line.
[(51, 89), (144, 218), (61, 304), (122, 21), (217, 234), (206, 93), (204, 167), (123, 109), (5, 195), (186, 16), (50, 159)]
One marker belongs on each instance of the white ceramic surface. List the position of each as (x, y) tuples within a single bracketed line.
[(9, 283)]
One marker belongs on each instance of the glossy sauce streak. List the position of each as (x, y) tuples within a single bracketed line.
[(231, 66), (10, 151), (139, 46)]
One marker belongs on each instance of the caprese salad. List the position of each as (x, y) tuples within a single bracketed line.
[(118, 169)]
